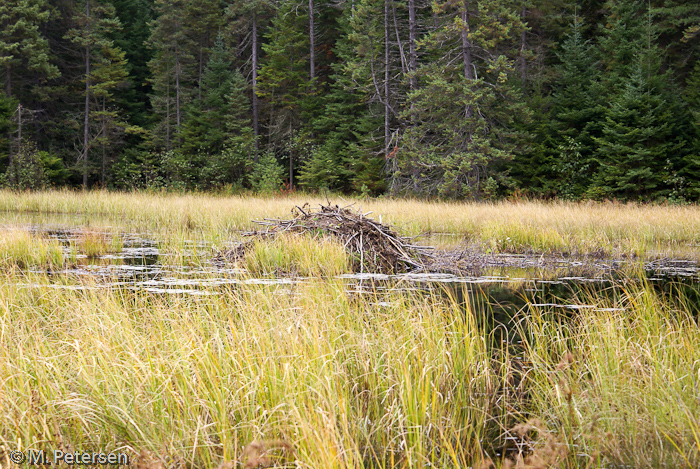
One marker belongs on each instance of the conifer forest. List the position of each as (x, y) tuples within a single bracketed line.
[(451, 99)]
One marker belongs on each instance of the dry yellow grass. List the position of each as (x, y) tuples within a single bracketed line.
[(628, 229), (19, 248)]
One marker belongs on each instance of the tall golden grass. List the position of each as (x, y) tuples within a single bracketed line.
[(385, 379), (330, 377), (193, 379), (618, 229)]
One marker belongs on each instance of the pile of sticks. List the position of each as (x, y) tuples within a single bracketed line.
[(374, 247)]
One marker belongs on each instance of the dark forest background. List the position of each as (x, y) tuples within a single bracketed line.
[(443, 98)]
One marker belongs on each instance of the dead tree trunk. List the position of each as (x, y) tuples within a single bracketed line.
[(312, 40), (523, 48), (8, 82), (387, 129), (467, 51), (412, 33), (86, 129), (255, 86), (177, 92)]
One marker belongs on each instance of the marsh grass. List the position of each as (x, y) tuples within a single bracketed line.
[(297, 254), (620, 381), (194, 379), (98, 243), (385, 379), (24, 250), (542, 227)]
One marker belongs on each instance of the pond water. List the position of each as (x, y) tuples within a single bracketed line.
[(507, 282)]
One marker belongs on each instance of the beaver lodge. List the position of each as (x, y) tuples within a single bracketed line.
[(372, 246)]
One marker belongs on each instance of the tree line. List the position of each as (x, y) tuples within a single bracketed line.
[(429, 98)]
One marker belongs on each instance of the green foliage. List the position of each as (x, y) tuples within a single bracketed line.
[(212, 118), (27, 171), (637, 144), (267, 174), (323, 170), (134, 16), (24, 51), (7, 109), (572, 168), (492, 106), (578, 110), (229, 167), (283, 80), (464, 112), (137, 168), (55, 173)]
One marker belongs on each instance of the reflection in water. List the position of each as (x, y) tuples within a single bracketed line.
[(505, 283)]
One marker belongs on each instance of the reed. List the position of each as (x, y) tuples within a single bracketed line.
[(542, 227), (619, 381), (19, 248), (297, 254)]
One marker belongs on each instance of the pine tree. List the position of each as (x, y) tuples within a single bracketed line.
[(464, 109), (374, 73), (24, 51), (284, 79), (93, 24), (636, 147), (204, 21)]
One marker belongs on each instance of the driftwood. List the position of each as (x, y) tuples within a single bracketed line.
[(374, 247)]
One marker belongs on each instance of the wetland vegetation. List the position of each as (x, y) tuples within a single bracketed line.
[(119, 331)]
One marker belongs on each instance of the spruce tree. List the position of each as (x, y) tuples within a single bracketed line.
[(689, 168), (24, 51), (343, 159), (103, 66), (577, 114), (134, 16), (284, 80), (204, 129), (637, 146), (218, 129), (465, 107), (8, 107), (643, 142), (173, 71), (248, 18)]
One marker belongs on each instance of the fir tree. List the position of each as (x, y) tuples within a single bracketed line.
[(24, 51), (205, 128), (218, 128), (172, 70), (465, 109), (636, 148), (284, 79), (577, 114), (344, 160), (94, 22), (643, 142), (134, 16)]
